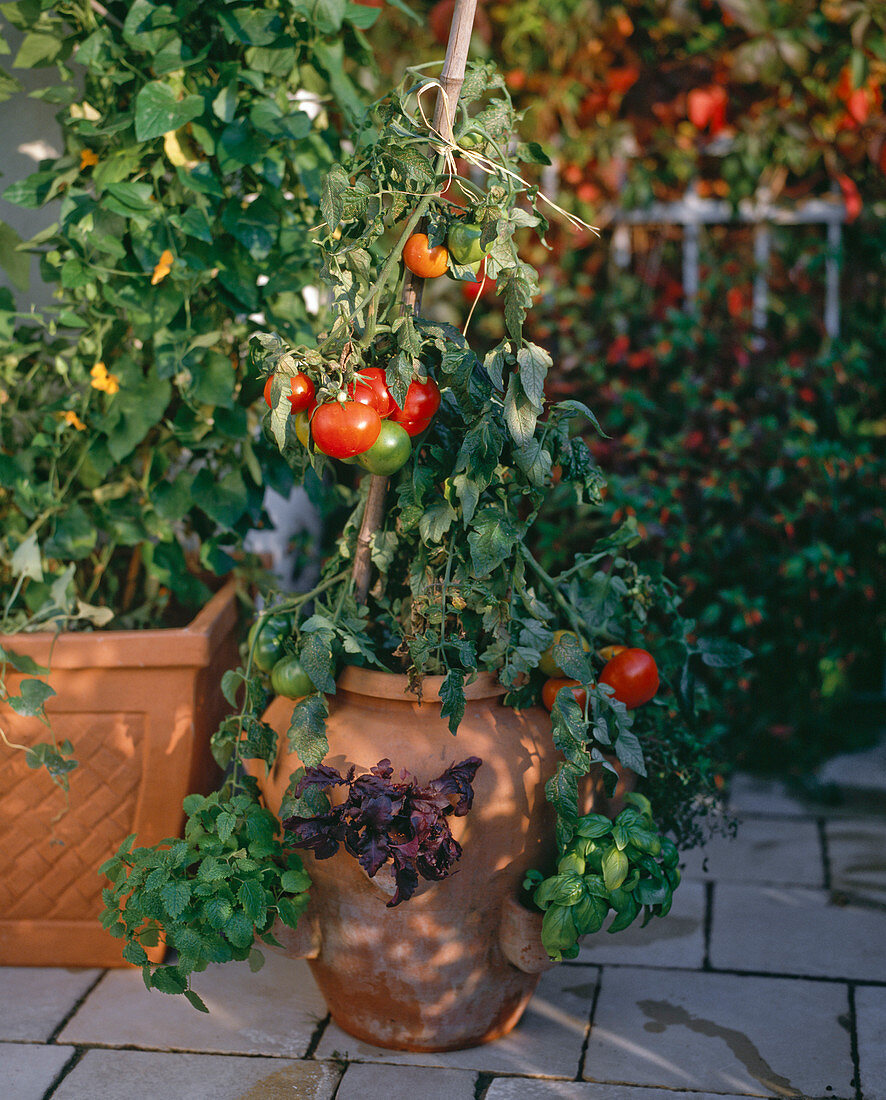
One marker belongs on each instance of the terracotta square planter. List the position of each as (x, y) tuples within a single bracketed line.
[(139, 708)]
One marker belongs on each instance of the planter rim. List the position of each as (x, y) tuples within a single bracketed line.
[(190, 646), (394, 685)]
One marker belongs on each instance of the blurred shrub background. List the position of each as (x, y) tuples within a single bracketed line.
[(751, 460)]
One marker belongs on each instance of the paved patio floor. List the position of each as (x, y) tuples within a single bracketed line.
[(768, 979)]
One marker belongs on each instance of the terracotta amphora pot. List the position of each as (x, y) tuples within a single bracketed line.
[(139, 708), (456, 964)]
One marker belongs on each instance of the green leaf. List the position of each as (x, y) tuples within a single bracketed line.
[(307, 730), (225, 824), (521, 414), (253, 898), (335, 183), (239, 929), (721, 653), (38, 50), (452, 695), (21, 663), (134, 953), (558, 931), (253, 26), (492, 540), (615, 868), (328, 15), (196, 1000), (175, 897), (317, 659), (436, 521), (630, 752), (31, 699), (295, 882), (534, 366), (17, 265), (26, 559), (157, 110), (593, 826)]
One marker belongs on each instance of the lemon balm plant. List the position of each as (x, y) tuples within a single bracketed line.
[(195, 139), (431, 574)]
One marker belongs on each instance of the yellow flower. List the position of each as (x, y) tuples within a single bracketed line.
[(164, 266), (102, 380), (73, 419), (87, 159)]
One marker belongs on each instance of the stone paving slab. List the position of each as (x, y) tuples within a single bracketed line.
[(795, 930), (721, 1033), (676, 940), (870, 1010), (275, 1011), (765, 850), (34, 999), (517, 1088), (547, 1042), (857, 855), (383, 1082), (860, 771), (752, 794), (28, 1069), (139, 1075)]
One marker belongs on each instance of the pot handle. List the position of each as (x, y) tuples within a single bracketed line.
[(519, 937), (303, 941)]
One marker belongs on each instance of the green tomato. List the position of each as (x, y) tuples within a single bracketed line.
[(547, 664), (290, 679), (303, 426), (464, 243), (389, 452), (267, 636)]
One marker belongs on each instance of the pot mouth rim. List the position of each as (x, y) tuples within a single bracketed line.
[(395, 685)]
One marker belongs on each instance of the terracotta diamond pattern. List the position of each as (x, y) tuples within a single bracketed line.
[(57, 874)]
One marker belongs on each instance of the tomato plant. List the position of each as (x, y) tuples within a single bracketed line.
[(371, 388), (550, 689), (389, 452), (547, 664), (424, 261), (289, 678), (633, 675), (463, 241), (345, 429), (266, 638), (420, 404)]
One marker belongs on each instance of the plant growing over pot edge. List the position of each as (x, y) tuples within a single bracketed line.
[(195, 140), (456, 589)]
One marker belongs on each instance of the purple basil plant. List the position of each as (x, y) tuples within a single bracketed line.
[(383, 820)]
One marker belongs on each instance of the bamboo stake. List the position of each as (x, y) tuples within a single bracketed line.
[(451, 80)]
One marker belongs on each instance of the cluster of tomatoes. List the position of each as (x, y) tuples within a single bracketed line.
[(364, 424), (267, 643), (463, 245), (631, 673)]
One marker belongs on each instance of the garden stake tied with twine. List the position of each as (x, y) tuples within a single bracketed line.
[(442, 138), (451, 81)]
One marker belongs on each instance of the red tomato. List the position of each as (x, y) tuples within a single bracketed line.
[(481, 287), (371, 388), (550, 688), (422, 260), (609, 651), (344, 429), (301, 392), (421, 402), (412, 427), (633, 675)]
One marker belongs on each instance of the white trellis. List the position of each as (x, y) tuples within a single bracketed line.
[(693, 213)]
